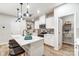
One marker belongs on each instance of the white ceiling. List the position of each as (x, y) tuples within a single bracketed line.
[(11, 8)]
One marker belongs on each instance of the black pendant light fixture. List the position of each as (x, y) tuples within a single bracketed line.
[(27, 12), (20, 14)]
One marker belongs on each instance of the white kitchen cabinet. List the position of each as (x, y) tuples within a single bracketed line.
[(76, 47), (37, 24), (42, 20), (49, 39), (50, 22)]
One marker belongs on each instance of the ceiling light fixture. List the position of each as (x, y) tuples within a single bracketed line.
[(20, 14), (28, 6)]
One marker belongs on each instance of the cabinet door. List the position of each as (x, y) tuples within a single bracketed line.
[(50, 22), (37, 48), (42, 20), (49, 39), (76, 50), (37, 24)]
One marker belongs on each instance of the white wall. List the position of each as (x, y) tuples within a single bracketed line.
[(11, 27), (5, 33), (17, 27), (65, 10)]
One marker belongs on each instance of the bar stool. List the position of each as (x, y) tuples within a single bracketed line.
[(13, 43), (15, 49)]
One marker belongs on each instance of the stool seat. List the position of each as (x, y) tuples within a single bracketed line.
[(13, 43), (16, 51)]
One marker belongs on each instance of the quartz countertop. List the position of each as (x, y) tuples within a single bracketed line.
[(21, 41)]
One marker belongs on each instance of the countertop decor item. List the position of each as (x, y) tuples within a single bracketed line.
[(28, 37)]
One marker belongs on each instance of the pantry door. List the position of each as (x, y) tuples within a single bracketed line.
[(60, 32)]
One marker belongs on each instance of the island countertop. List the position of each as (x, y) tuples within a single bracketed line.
[(21, 41)]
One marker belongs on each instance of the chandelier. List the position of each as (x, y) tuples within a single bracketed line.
[(20, 14)]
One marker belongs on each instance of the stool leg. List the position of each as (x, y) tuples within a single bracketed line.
[(23, 54), (26, 54)]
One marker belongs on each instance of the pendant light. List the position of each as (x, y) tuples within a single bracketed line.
[(20, 14)]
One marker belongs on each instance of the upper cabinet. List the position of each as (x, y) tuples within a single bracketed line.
[(37, 24), (42, 20), (39, 21), (50, 22)]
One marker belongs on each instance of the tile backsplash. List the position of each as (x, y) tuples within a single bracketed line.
[(50, 31)]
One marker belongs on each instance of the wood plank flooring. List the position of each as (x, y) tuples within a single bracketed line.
[(4, 50), (66, 50)]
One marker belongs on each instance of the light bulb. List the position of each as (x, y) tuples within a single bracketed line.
[(21, 18), (27, 15), (20, 14)]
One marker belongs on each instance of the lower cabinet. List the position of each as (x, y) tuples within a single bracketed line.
[(76, 50), (49, 39)]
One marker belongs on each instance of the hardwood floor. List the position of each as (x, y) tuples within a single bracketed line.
[(4, 50), (67, 50)]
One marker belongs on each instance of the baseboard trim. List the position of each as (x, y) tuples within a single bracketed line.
[(68, 43), (2, 43)]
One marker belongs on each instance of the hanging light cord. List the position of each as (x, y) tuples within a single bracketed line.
[(19, 17), (21, 9)]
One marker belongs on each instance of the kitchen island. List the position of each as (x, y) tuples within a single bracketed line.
[(34, 47)]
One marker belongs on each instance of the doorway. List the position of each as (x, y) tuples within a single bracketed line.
[(66, 32)]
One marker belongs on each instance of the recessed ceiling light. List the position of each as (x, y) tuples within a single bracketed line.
[(38, 11)]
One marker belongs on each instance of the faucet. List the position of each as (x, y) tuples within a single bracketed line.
[(23, 34)]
